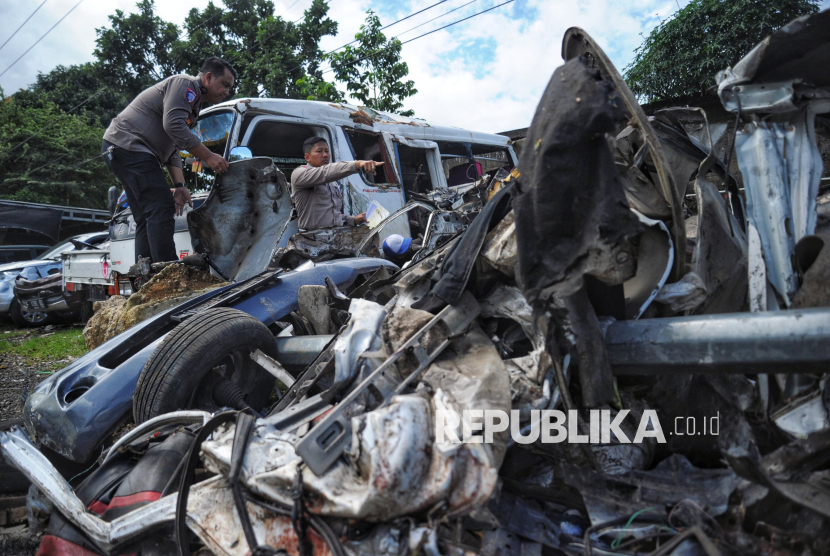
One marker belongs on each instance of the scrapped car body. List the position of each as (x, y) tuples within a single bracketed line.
[(779, 159), (73, 412), (603, 311), (418, 156), (47, 264)]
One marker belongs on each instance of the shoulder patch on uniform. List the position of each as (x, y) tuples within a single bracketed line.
[(191, 95)]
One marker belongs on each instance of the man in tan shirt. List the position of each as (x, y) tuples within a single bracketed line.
[(149, 133), (318, 199)]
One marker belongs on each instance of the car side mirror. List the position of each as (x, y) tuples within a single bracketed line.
[(112, 200), (240, 153)]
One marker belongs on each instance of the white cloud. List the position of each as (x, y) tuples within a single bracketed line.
[(486, 74), (498, 90)]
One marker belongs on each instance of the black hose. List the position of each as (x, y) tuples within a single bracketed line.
[(180, 525), (317, 523)]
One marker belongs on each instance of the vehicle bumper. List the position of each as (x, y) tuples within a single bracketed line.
[(46, 305)]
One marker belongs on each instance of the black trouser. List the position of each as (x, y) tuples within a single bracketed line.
[(150, 200)]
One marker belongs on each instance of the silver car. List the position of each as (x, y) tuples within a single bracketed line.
[(47, 264)]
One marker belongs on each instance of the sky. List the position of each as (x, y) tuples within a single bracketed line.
[(484, 74)]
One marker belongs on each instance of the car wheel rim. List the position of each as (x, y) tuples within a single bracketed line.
[(34, 317)]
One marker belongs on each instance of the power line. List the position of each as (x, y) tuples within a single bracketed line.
[(102, 89), (412, 15), (88, 160), (80, 164), (439, 17), (239, 52), (424, 35), (285, 11), (222, 11), (385, 27), (45, 165), (22, 24), (41, 38), (459, 21), (205, 22), (38, 132)]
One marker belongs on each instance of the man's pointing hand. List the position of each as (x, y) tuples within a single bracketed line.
[(368, 165)]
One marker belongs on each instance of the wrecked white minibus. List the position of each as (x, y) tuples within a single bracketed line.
[(419, 157)]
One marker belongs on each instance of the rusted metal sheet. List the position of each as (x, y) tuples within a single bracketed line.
[(243, 218)]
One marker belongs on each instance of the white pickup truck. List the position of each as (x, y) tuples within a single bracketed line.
[(97, 274)]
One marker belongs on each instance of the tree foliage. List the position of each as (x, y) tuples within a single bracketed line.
[(274, 58), (373, 70), (133, 52), (71, 87), (681, 55), (270, 53), (42, 170), (139, 49)]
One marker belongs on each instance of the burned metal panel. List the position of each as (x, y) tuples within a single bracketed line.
[(325, 244), (768, 202), (798, 50), (673, 480), (243, 218), (572, 217), (720, 256), (578, 43), (778, 156)]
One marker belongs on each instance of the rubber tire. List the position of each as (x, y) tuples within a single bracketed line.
[(16, 313), (186, 355)]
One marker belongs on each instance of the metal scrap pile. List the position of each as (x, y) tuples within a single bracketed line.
[(665, 388)]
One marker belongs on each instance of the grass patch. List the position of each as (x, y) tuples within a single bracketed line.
[(63, 343), (8, 330)]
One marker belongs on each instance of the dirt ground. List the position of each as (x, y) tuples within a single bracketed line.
[(27, 357), (18, 541)]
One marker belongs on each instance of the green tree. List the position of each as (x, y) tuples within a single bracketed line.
[(137, 50), (83, 89), (270, 53), (373, 70), (681, 55), (273, 57), (43, 170)]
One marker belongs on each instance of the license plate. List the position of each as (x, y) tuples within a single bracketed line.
[(34, 304)]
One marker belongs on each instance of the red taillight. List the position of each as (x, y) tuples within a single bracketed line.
[(70, 287)]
